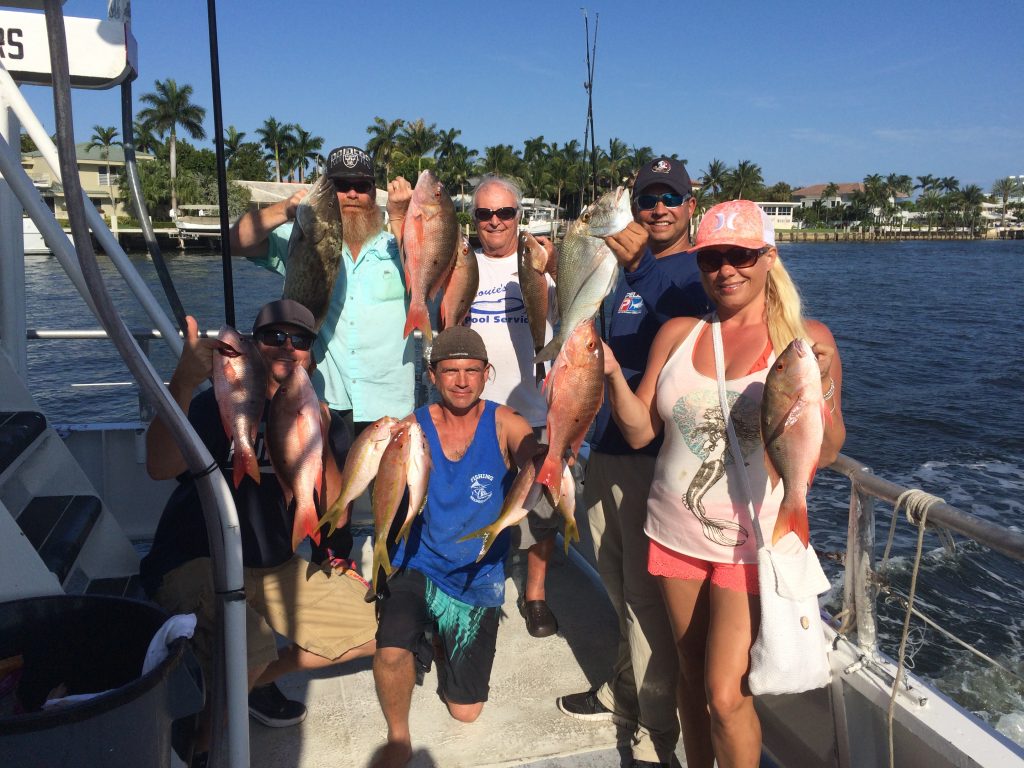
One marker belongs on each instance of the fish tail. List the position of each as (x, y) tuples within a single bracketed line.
[(306, 523), (550, 351), (487, 533), (551, 475), (541, 375), (792, 517), (337, 511), (417, 318), (570, 532), (381, 557)]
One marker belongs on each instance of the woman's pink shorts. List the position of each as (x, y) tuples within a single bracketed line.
[(738, 577)]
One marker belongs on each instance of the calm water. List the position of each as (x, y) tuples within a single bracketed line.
[(932, 341)]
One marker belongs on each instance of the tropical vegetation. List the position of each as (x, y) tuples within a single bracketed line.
[(564, 173)]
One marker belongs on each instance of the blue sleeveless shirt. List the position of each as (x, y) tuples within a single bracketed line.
[(463, 496)]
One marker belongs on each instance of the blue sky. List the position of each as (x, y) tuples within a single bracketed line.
[(811, 92)]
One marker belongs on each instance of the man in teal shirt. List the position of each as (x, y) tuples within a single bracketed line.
[(364, 366)]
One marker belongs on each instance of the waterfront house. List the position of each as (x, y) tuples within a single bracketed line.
[(100, 178), (805, 197)]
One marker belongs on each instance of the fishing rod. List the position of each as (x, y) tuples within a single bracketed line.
[(222, 179)]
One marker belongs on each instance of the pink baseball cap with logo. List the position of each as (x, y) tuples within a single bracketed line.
[(735, 222)]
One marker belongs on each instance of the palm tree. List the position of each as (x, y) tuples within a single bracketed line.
[(304, 149), (417, 139), (1003, 189), (745, 180), (926, 183), (638, 156), (565, 165), (458, 166), (105, 138), (169, 107), (145, 139), (616, 165), (827, 194), (275, 136), (715, 176), (382, 144), (971, 197), (233, 139), (501, 159)]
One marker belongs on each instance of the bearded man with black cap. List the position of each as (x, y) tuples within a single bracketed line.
[(365, 366), (659, 280), (476, 448), (321, 610)]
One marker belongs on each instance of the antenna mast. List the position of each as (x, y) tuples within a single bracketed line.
[(588, 85)]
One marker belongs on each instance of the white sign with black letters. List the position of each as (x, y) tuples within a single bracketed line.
[(101, 53)]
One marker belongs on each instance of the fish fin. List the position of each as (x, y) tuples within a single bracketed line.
[(773, 473), (487, 534), (541, 374), (792, 518), (570, 533), (417, 318), (381, 561), (335, 514), (240, 470), (578, 443), (550, 351), (252, 467), (550, 475)]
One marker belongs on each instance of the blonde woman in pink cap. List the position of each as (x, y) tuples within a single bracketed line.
[(701, 545)]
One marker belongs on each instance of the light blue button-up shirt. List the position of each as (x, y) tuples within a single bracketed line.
[(362, 361)]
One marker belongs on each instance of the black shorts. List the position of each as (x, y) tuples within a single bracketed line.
[(468, 634)]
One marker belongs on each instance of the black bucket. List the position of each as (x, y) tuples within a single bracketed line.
[(90, 644)]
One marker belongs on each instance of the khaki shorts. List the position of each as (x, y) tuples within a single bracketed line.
[(317, 608)]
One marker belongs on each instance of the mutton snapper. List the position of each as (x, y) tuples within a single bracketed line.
[(429, 234), (460, 290), (574, 389), (314, 250), (295, 440), (533, 282), (587, 268), (402, 466), (361, 465), (793, 415), (240, 388)]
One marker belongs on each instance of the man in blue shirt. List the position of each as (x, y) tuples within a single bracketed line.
[(659, 281), (364, 366), (476, 447)]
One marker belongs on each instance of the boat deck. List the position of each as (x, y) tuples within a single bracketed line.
[(520, 725)]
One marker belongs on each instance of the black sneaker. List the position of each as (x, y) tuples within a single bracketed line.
[(272, 708), (584, 706)]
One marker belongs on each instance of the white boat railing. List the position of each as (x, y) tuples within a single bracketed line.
[(860, 587)]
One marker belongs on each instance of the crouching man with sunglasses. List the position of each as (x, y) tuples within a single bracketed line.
[(321, 610), (660, 280), (365, 367)]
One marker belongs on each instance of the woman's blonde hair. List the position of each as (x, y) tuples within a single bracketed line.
[(782, 307)]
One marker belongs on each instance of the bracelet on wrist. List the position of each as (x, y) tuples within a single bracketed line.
[(831, 389)]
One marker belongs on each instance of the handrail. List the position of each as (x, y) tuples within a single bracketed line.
[(860, 587), (992, 535)]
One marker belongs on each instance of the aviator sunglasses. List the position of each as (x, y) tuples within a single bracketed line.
[(738, 258), (344, 185), (670, 199), (301, 341), (505, 214)]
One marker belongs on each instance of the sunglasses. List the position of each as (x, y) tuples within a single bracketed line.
[(505, 214), (738, 258), (344, 185), (301, 341), (670, 199)]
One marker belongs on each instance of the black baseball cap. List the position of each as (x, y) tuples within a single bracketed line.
[(664, 170), (457, 342), (349, 163), (285, 311)]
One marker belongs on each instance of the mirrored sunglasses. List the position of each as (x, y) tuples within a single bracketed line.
[(670, 199)]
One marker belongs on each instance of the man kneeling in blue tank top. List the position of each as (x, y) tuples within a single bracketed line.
[(476, 447)]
